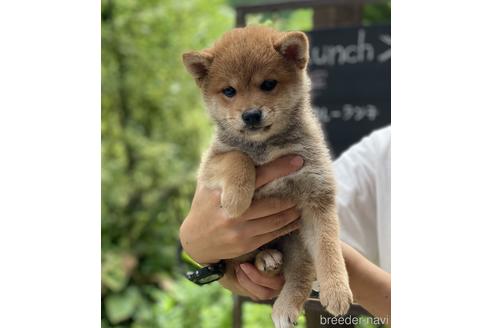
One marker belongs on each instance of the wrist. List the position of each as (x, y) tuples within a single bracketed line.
[(187, 243), (353, 260), (202, 260)]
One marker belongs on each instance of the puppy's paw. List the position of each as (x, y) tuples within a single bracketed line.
[(269, 261), (335, 298), (235, 202), (284, 315)]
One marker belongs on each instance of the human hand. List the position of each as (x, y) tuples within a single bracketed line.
[(208, 235), (256, 284)]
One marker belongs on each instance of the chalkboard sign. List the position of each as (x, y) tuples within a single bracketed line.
[(351, 81)]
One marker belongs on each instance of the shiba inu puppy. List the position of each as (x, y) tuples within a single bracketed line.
[(256, 89)]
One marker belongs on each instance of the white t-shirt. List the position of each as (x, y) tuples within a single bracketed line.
[(363, 175)]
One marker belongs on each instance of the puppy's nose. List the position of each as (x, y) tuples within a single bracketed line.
[(252, 117)]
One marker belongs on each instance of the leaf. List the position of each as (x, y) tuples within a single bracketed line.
[(120, 307), (113, 273)]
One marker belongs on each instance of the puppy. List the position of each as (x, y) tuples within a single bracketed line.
[(256, 89)]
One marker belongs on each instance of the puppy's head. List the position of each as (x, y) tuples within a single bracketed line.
[(253, 80)]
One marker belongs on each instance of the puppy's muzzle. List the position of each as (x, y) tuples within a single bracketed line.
[(252, 118)]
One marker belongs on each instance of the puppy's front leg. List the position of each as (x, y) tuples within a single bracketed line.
[(234, 172), (299, 276), (320, 231)]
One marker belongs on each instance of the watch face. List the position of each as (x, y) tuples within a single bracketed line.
[(210, 278), (202, 275), (206, 275)]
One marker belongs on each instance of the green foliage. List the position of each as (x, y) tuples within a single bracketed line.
[(187, 305), (154, 129), (259, 315), (377, 13), (286, 20), (120, 307)]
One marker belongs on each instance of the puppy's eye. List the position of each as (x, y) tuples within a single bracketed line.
[(229, 92), (268, 85)]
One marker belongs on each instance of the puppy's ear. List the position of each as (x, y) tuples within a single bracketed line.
[(197, 63), (294, 47)]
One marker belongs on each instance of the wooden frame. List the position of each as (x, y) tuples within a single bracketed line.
[(244, 9)]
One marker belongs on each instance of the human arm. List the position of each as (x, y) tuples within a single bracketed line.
[(208, 235), (370, 285)]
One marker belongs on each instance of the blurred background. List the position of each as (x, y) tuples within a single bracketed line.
[(154, 129)]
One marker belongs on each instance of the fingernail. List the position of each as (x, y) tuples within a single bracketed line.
[(297, 161), (244, 267)]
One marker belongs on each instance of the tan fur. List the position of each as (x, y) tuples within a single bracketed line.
[(243, 58)]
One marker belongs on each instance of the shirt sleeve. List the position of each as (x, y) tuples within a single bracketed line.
[(356, 172)]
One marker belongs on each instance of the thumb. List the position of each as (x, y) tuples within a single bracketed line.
[(277, 168)]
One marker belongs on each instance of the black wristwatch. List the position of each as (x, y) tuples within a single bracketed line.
[(207, 274), (203, 274)]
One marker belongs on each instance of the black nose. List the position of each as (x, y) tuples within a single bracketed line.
[(252, 117)]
